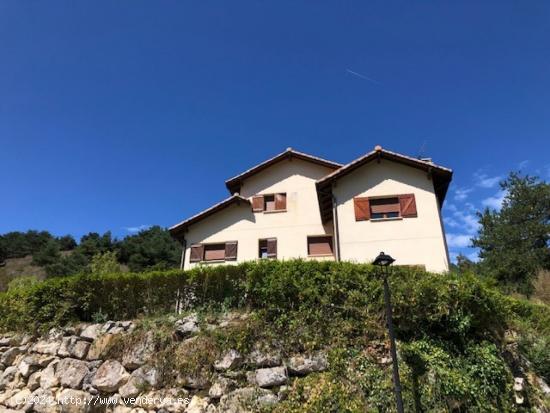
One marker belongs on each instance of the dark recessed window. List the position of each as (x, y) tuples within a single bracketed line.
[(384, 208)]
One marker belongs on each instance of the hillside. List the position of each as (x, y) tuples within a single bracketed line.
[(19, 267), (275, 336)]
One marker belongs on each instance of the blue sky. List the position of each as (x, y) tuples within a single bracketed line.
[(118, 115)]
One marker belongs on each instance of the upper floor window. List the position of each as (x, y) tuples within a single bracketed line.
[(269, 202), (222, 251), (395, 206), (385, 208)]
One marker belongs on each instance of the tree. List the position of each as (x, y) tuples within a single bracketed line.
[(48, 254), (105, 263), (93, 243), (66, 243), (3, 250), (513, 242), (464, 264), (74, 263), (150, 248)]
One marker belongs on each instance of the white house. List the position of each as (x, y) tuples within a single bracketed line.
[(295, 205)]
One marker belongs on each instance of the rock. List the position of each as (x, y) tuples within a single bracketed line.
[(8, 377), (186, 327), (197, 405), (140, 352), (48, 378), (300, 365), (107, 326), (544, 388), (221, 387), (91, 332), (8, 341), (122, 409), (518, 383), (71, 372), (130, 389), (73, 347), (46, 347), (9, 356), (283, 393), (271, 376), (20, 400), (110, 376), (147, 375), (168, 400), (246, 400), (34, 381), (100, 347), (28, 365), (44, 401), (231, 360), (73, 401), (258, 358), (196, 382)]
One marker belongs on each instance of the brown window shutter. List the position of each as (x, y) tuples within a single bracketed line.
[(280, 201), (197, 252), (231, 250), (408, 206), (258, 203), (362, 209), (272, 248)]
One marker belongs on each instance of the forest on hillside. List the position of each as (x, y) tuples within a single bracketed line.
[(150, 249)]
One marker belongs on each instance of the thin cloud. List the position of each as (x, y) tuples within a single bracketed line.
[(370, 79), (462, 193), (485, 181), (495, 201), (451, 222), (136, 229), (458, 240), (524, 164)]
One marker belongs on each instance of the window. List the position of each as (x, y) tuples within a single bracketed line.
[(223, 251), (395, 206), (267, 248), (269, 203), (319, 245), (384, 208), (214, 252)]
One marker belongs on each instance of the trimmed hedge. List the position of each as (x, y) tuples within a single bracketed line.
[(446, 306)]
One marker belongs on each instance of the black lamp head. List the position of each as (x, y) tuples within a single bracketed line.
[(383, 260)]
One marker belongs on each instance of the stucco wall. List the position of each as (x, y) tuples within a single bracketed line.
[(291, 228), (411, 241)]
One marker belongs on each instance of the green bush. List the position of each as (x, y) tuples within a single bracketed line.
[(441, 306)]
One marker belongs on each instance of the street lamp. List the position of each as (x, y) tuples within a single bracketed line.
[(384, 261)]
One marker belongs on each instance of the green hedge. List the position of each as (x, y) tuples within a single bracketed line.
[(439, 305)]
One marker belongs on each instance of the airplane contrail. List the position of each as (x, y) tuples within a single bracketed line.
[(363, 77)]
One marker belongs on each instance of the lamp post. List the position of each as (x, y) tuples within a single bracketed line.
[(384, 261)]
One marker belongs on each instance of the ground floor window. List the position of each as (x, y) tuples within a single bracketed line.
[(267, 248), (222, 251), (319, 245)]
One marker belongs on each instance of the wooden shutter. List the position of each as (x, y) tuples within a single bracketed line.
[(280, 201), (258, 203), (319, 245), (362, 209), (231, 250), (408, 206), (272, 248), (196, 254)]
